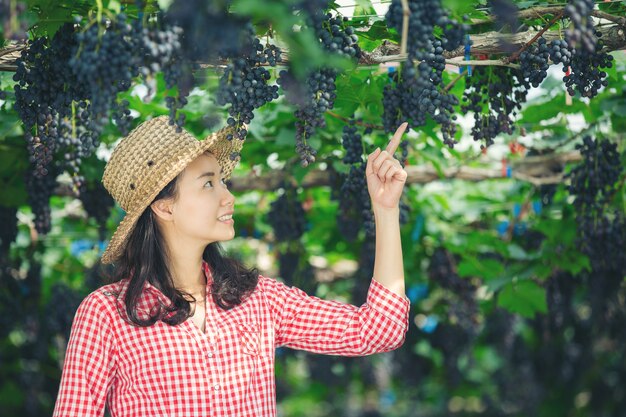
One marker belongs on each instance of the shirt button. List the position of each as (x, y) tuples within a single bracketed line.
[(210, 354), (216, 387)]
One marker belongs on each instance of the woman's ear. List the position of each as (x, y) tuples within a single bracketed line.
[(163, 209)]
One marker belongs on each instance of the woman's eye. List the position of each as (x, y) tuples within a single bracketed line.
[(224, 182), (210, 183)]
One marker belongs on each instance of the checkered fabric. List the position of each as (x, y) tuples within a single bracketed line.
[(165, 370)]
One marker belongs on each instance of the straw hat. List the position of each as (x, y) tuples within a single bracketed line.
[(146, 160)]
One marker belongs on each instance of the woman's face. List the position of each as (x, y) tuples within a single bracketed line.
[(202, 202)]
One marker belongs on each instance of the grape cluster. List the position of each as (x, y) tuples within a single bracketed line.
[(587, 76), (43, 93), (159, 48), (210, 32), (506, 91), (39, 190), (534, 62), (352, 143), (317, 93), (104, 61), (506, 14), (581, 32), (121, 116), (67, 86), (560, 53), (287, 216), (336, 36), (288, 263), (8, 231), (355, 196), (12, 11), (418, 92), (98, 203), (593, 183), (311, 100), (424, 16), (60, 309), (601, 227), (244, 85)]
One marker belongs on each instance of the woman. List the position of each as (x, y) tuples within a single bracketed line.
[(184, 330)]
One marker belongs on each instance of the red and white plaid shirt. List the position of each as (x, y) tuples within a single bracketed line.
[(165, 370)]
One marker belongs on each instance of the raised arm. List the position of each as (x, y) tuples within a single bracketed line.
[(385, 182)]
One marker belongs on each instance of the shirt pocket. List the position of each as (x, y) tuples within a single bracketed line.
[(249, 335)]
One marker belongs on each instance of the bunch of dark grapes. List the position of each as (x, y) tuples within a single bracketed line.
[(159, 48), (60, 309), (354, 195), (442, 271), (98, 203), (317, 93), (336, 36), (311, 100), (104, 61), (287, 216), (121, 116), (463, 308), (601, 226), (210, 31), (8, 231), (594, 183), (582, 31), (349, 217), (39, 190), (44, 92), (534, 62), (12, 11), (506, 14), (418, 93), (424, 16), (353, 144), (288, 263), (560, 53), (245, 87), (506, 92), (587, 76)]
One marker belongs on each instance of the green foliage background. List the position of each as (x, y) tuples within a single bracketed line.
[(490, 368)]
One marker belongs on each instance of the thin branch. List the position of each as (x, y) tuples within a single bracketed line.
[(516, 55), (358, 122), (406, 12), (453, 82)]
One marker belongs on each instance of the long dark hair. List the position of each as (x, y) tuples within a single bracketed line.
[(145, 260)]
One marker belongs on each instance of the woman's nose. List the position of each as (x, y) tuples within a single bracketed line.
[(229, 198)]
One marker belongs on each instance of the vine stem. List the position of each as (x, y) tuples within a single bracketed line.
[(516, 55), (452, 83), (99, 14), (360, 123), (406, 11)]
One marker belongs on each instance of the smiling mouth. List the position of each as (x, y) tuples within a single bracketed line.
[(225, 218)]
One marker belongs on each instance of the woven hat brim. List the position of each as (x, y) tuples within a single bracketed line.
[(117, 244)]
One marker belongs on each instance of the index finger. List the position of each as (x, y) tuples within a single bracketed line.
[(395, 140)]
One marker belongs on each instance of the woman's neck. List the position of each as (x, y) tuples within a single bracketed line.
[(187, 273)]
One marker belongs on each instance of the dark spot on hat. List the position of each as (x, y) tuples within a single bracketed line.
[(233, 156), (132, 186), (150, 163)]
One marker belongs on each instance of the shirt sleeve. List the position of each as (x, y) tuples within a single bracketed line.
[(334, 328), (89, 362)]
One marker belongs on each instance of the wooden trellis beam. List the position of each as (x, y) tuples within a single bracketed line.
[(537, 170), (488, 43)]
